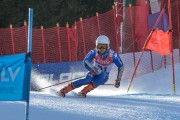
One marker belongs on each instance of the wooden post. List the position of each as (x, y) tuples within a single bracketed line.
[(98, 23), (68, 38), (59, 41), (82, 31), (43, 44), (12, 39), (26, 30), (76, 41)]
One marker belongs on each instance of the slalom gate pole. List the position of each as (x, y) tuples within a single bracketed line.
[(170, 25), (129, 85), (144, 47), (29, 62), (59, 83)]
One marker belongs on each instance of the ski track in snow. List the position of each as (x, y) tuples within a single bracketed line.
[(147, 101), (121, 107), (139, 106)]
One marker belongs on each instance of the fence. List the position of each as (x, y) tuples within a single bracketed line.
[(136, 23), (61, 44)]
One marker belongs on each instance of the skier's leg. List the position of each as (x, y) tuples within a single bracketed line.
[(76, 84), (66, 89), (84, 81), (87, 89), (101, 79), (98, 80)]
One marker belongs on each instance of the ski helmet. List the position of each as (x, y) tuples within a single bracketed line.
[(102, 39)]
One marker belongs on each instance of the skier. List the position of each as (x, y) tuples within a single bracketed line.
[(102, 58)]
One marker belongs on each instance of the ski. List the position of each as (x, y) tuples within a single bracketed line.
[(79, 95)]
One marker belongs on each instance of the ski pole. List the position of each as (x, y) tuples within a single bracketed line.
[(108, 84), (59, 83)]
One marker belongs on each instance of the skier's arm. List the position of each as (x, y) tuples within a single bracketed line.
[(118, 62), (89, 57)]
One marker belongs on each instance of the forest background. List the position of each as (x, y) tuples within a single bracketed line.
[(50, 12)]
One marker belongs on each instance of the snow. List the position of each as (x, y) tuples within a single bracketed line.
[(150, 98)]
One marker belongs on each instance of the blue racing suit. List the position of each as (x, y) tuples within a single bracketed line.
[(103, 62)]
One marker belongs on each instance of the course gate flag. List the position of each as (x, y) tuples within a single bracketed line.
[(15, 73), (13, 79), (160, 42)]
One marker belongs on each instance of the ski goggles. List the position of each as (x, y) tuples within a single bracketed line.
[(102, 46)]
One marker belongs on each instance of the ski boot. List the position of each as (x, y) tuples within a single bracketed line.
[(83, 95), (86, 89), (66, 89)]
